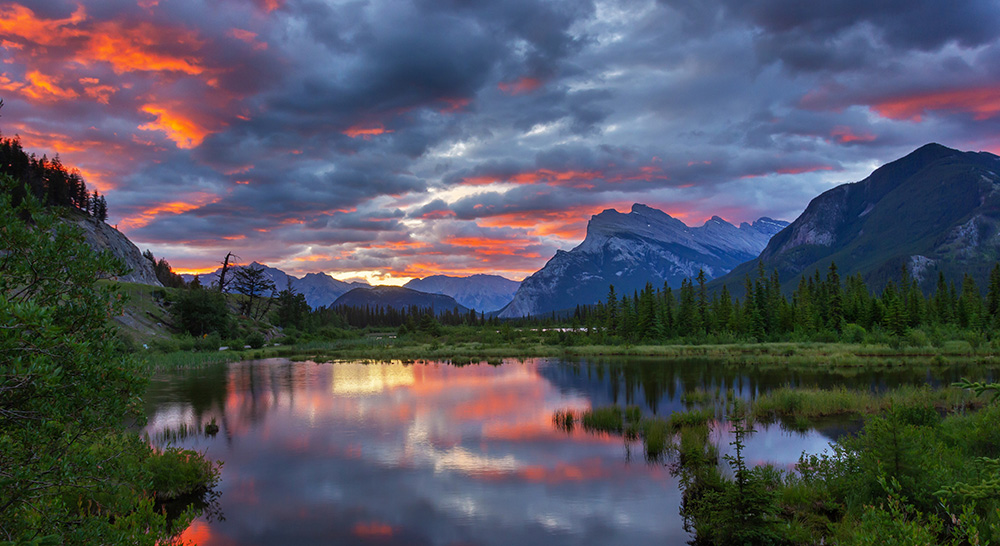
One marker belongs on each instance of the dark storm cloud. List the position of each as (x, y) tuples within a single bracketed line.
[(921, 24), (845, 34), (404, 135)]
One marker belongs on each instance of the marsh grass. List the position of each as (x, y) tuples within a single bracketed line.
[(604, 419), (698, 397), (811, 403), (657, 438), (691, 418)]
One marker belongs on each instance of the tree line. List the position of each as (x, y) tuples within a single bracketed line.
[(819, 306), (48, 180)]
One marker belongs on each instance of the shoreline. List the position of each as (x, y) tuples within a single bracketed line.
[(778, 354)]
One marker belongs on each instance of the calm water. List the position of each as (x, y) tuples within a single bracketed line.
[(428, 453)]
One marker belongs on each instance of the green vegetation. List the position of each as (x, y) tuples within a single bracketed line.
[(179, 473), (69, 472), (922, 470), (813, 403)]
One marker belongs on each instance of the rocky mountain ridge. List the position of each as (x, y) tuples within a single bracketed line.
[(628, 250)]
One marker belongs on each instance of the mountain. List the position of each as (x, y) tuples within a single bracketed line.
[(398, 297), (934, 210), (480, 292), (319, 289), (629, 250), (101, 236)]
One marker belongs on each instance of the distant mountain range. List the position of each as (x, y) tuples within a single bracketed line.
[(398, 297), (629, 250), (934, 210), (480, 292), (937, 210), (319, 289)]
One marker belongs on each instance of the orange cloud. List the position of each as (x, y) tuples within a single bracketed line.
[(982, 102), (373, 529), (569, 178), (146, 216), (454, 105), (366, 131), (195, 270), (271, 5), (248, 37), (647, 173), (313, 258), (521, 86), (38, 88), (845, 135), (184, 131), (426, 269), (491, 247), (140, 48), (127, 48), (20, 25), (437, 214), (569, 224)]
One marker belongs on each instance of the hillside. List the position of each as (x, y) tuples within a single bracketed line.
[(934, 210), (100, 236)]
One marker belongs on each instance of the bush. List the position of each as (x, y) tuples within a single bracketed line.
[(177, 472), (917, 338), (853, 333), (210, 342), (255, 340)]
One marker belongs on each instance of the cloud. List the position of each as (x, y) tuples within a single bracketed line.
[(422, 136)]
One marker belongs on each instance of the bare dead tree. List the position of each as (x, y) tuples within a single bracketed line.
[(228, 263)]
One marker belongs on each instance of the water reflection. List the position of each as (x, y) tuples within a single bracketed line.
[(428, 453)]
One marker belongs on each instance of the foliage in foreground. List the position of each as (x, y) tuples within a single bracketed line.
[(69, 472), (909, 477)]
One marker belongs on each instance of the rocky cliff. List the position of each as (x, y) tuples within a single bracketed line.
[(101, 236)]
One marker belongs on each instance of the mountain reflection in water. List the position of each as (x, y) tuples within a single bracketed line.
[(429, 453)]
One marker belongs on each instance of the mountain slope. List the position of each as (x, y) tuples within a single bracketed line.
[(100, 236), (480, 292), (629, 250), (397, 297), (934, 210)]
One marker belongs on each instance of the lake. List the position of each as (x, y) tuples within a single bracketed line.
[(430, 453)]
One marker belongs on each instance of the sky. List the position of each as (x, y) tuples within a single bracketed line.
[(392, 139)]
